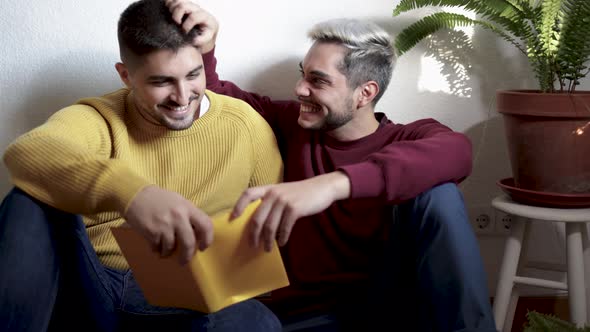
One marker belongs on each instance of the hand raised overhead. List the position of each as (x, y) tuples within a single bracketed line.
[(190, 15)]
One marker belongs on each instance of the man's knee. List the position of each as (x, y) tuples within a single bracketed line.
[(265, 320), (26, 241), (28, 286), (443, 201), (250, 315), (441, 196), (440, 208)]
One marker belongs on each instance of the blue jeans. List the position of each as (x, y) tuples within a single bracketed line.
[(51, 279), (430, 277)]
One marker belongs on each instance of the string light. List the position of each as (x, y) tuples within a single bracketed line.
[(580, 131)]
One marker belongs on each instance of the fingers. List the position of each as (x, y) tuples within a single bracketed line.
[(269, 230), (194, 19), (286, 226), (202, 228), (273, 219), (248, 196), (176, 9), (155, 242), (194, 14), (186, 239), (258, 220), (167, 242)]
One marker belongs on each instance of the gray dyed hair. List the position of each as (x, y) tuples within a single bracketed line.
[(370, 56)]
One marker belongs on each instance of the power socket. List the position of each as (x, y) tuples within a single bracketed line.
[(487, 221), (503, 223), (482, 220)]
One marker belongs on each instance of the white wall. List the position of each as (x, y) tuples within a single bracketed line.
[(54, 52)]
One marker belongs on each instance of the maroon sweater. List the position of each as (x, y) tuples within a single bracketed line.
[(328, 254)]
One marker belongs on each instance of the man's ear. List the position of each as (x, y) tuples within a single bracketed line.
[(123, 73), (368, 92)]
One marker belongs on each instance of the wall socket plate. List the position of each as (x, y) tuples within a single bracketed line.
[(482, 220), (487, 221), (503, 222)]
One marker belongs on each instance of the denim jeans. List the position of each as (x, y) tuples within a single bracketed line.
[(430, 277), (51, 279)]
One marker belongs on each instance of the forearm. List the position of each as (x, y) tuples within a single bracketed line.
[(402, 170), (55, 164), (339, 183)]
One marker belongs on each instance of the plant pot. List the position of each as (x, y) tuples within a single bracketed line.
[(548, 137)]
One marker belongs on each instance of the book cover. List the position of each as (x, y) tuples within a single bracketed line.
[(227, 272)]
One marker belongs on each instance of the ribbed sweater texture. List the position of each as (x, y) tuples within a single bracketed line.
[(93, 157)]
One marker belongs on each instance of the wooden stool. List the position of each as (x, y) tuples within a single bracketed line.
[(576, 244)]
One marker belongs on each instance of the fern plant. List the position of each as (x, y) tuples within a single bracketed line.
[(553, 34), (537, 322)]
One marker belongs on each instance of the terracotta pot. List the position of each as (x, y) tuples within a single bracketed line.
[(548, 139)]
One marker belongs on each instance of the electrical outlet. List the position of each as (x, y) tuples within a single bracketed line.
[(503, 223), (482, 220)]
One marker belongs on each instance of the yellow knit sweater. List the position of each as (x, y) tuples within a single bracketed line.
[(93, 157)]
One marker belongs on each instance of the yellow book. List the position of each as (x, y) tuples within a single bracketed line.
[(228, 272)]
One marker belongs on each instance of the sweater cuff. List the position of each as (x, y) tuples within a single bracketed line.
[(366, 180), (123, 192)]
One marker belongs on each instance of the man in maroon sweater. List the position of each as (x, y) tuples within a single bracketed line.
[(371, 224)]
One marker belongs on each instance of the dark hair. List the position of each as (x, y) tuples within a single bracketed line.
[(147, 26)]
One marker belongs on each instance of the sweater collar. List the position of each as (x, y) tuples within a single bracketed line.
[(337, 144)]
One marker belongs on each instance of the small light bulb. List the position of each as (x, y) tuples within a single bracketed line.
[(580, 131)]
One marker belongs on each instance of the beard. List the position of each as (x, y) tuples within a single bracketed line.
[(178, 123), (337, 120)]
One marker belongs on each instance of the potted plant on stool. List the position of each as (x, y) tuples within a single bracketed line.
[(548, 129)]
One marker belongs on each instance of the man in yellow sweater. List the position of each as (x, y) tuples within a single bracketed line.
[(162, 154)]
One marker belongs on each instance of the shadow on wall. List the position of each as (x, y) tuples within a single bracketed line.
[(59, 82), (453, 50), (490, 160), (475, 68), (277, 80)]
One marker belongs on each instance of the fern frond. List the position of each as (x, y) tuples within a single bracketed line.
[(553, 34), (574, 42), (504, 8), (508, 14), (407, 5), (513, 18), (428, 25), (548, 36), (548, 323)]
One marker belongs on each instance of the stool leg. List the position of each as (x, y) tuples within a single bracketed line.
[(515, 294), (586, 248), (511, 309), (575, 273), (508, 270)]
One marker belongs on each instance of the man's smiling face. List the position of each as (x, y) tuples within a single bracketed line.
[(168, 86), (327, 102)]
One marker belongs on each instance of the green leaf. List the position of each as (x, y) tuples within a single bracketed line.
[(549, 22), (407, 5), (554, 34), (537, 322)]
